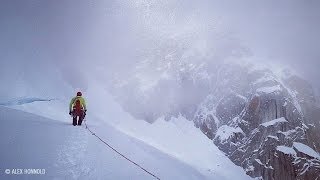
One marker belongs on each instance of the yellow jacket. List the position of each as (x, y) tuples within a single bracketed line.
[(82, 102)]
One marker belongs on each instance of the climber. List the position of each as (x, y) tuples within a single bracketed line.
[(77, 108)]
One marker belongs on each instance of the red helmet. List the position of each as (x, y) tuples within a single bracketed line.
[(79, 94)]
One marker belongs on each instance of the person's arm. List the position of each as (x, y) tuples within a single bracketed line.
[(71, 103), (84, 104)]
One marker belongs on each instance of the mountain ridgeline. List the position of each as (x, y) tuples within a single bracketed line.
[(265, 122)]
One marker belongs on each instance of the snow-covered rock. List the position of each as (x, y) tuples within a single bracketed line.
[(287, 150), (273, 115), (225, 132), (306, 150), (273, 122), (249, 112), (269, 90)]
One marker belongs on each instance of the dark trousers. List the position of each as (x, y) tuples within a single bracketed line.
[(77, 114)]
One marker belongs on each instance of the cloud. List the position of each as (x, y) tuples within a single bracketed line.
[(106, 39)]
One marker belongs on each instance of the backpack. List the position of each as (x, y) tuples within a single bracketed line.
[(77, 105)]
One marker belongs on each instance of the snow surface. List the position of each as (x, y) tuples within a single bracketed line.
[(264, 79), (67, 152), (20, 101), (182, 140), (287, 150), (273, 122), (287, 133), (269, 90), (306, 150), (172, 150), (258, 161), (293, 94), (225, 132), (273, 137)]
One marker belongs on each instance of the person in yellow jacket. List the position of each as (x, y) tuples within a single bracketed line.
[(77, 108)]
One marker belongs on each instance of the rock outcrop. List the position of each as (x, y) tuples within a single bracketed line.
[(258, 126), (252, 114)]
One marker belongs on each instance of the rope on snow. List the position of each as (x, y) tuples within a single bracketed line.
[(94, 134)]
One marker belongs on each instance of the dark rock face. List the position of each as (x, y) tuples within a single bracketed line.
[(208, 125), (257, 129), (229, 107)]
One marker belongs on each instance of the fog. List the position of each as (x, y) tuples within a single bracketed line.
[(116, 42)]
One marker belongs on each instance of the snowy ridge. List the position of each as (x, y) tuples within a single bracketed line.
[(264, 79), (299, 147), (287, 150), (25, 100), (176, 142), (269, 90), (306, 150), (187, 148)]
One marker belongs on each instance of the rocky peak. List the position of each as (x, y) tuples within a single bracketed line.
[(252, 124)]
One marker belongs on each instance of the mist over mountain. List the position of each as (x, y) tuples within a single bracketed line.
[(244, 73), (95, 35)]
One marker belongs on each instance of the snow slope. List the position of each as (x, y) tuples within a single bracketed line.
[(179, 138), (67, 152), (171, 150)]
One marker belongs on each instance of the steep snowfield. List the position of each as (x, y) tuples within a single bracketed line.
[(182, 140), (67, 152), (171, 150)]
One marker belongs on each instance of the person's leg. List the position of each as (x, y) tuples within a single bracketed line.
[(76, 114), (81, 117), (74, 120)]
